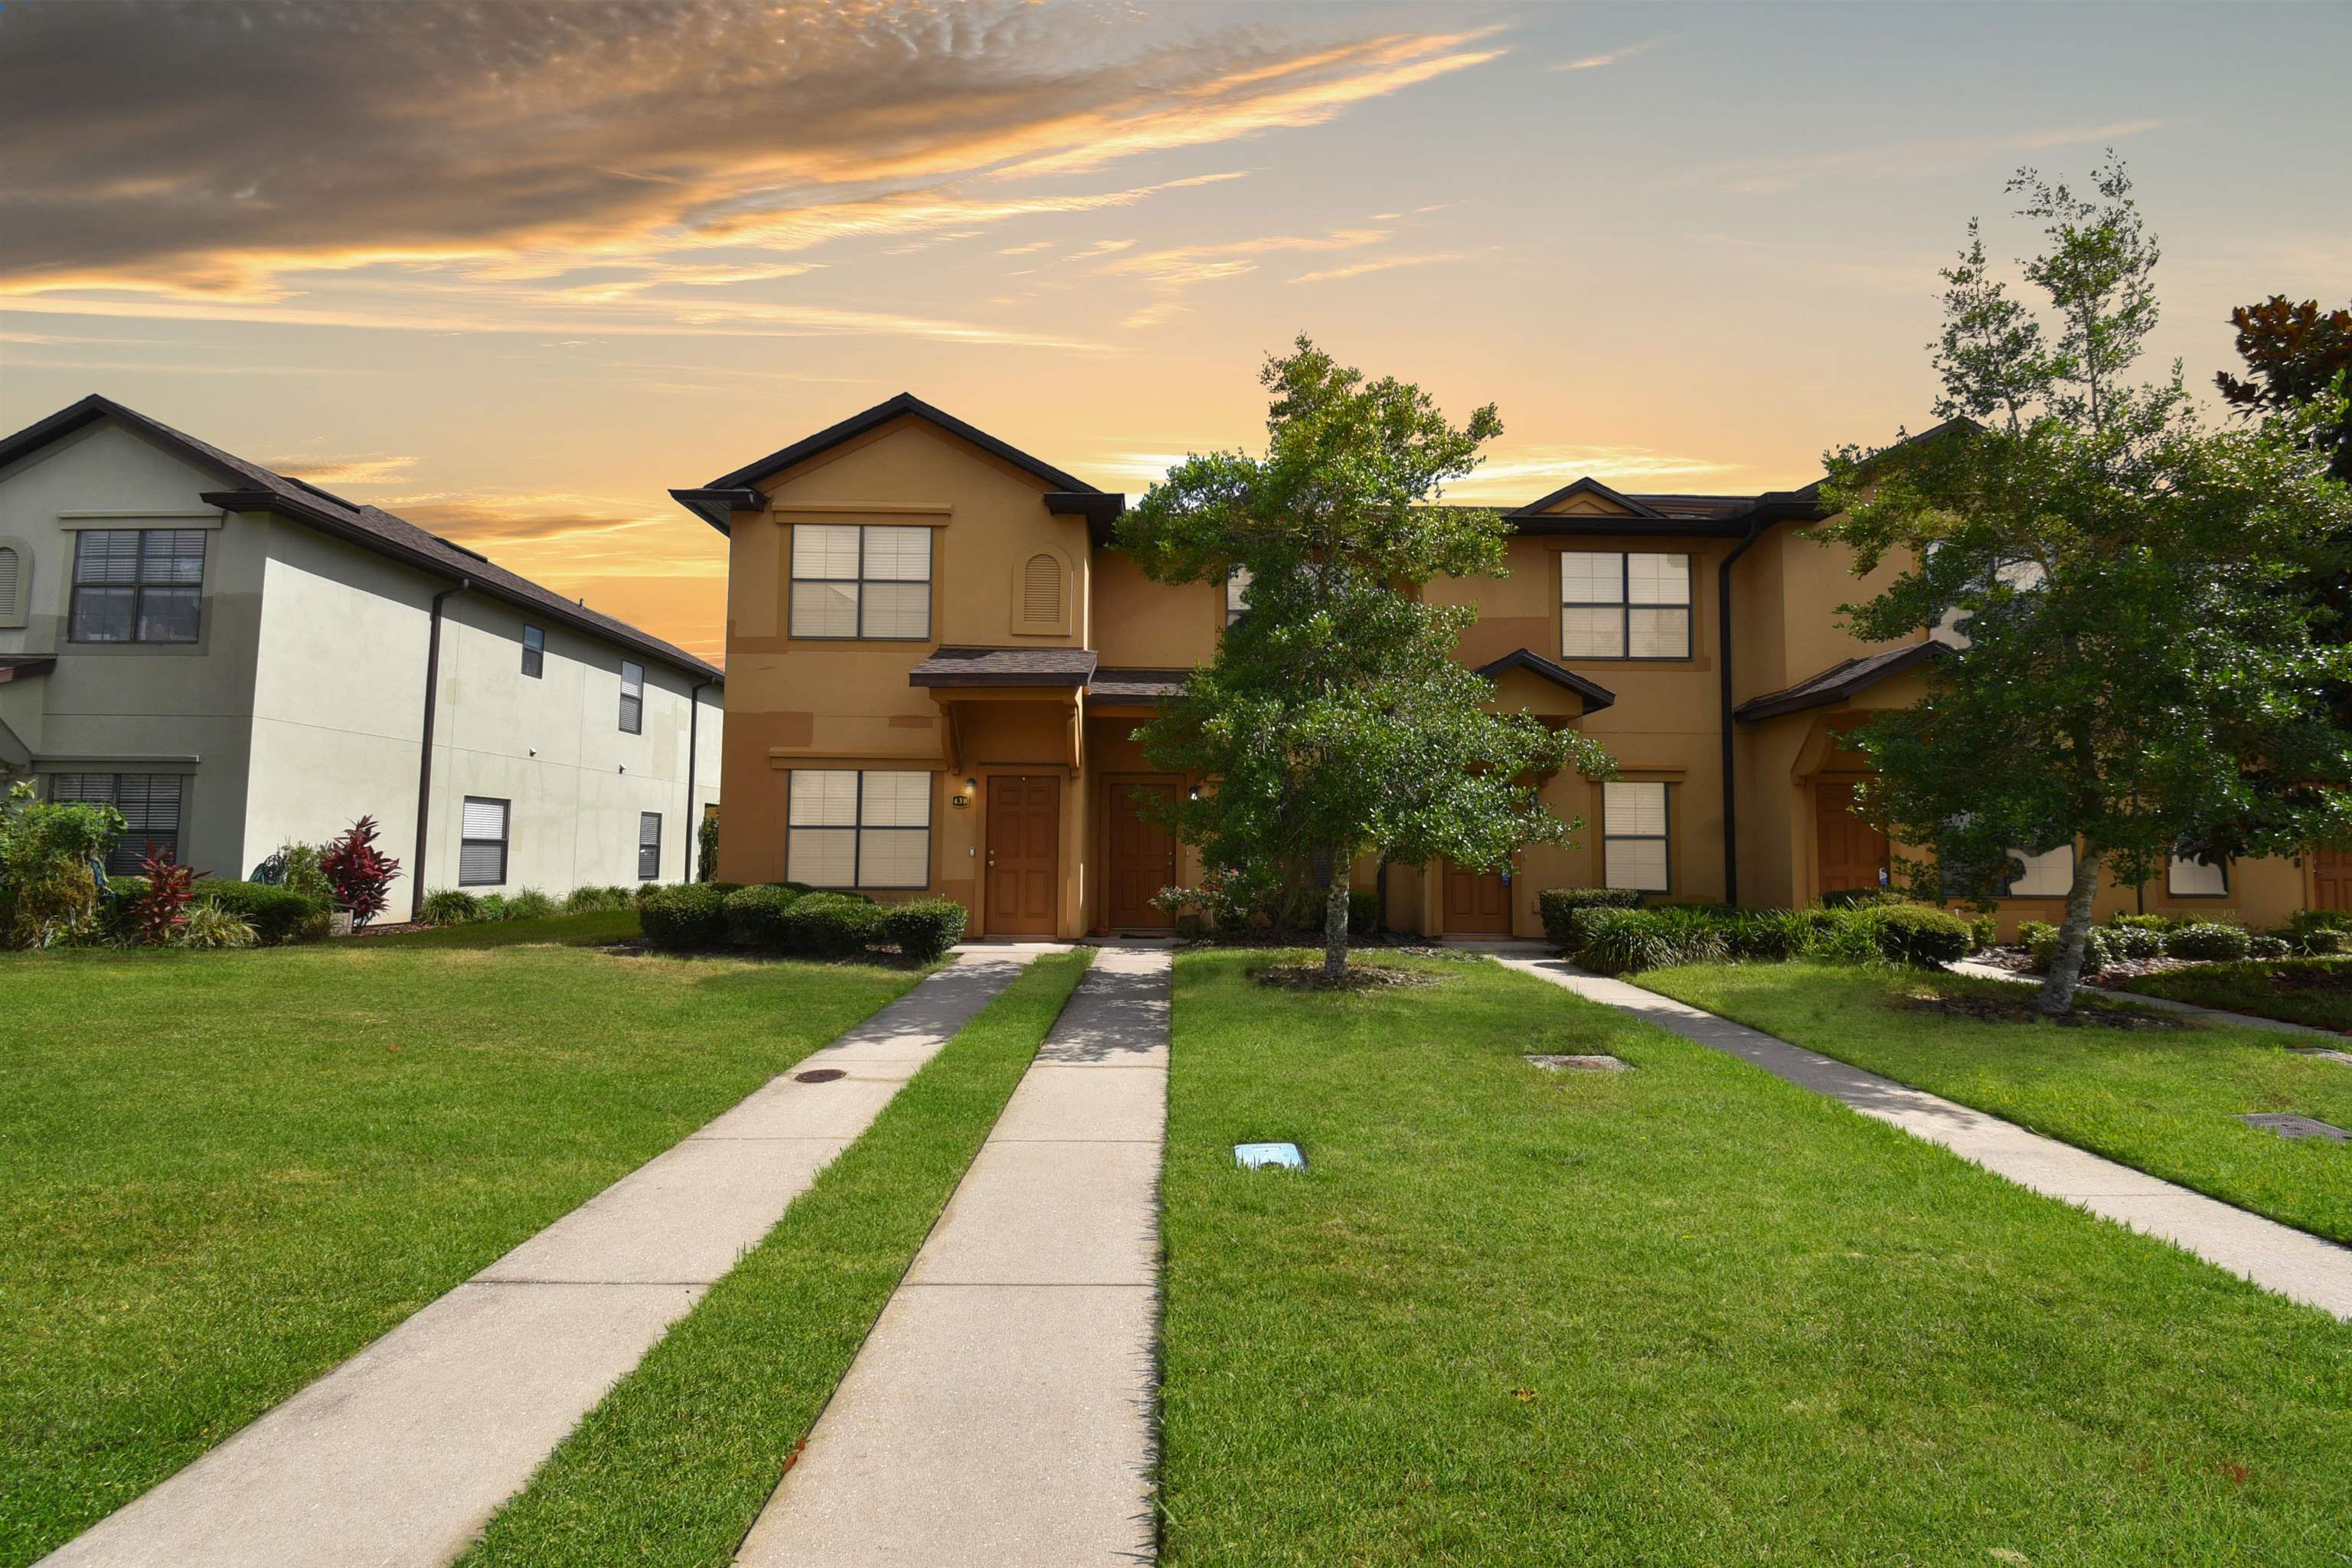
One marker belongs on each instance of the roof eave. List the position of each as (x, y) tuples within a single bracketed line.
[(717, 507)]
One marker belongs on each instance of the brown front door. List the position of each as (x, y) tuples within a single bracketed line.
[(1025, 835), (1142, 860), (1478, 903), (1852, 853), (2331, 880)]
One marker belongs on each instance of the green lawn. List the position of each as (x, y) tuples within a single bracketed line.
[(2314, 991), (678, 1461), (1685, 1315), (221, 1174), (2165, 1101)]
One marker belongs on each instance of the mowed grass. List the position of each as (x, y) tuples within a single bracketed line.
[(2165, 1101), (678, 1461), (2314, 991), (1685, 1315), (221, 1173)]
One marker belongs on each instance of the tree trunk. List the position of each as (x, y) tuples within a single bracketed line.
[(1335, 920), (2066, 963)]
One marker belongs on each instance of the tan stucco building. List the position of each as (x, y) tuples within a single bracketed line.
[(936, 659)]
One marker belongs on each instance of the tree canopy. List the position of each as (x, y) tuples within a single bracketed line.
[(2136, 671), (1334, 720)]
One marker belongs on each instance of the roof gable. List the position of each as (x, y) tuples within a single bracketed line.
[(881, 414), (1588, 495)]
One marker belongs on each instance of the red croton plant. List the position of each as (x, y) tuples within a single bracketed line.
[(158, 910), (359, 873)]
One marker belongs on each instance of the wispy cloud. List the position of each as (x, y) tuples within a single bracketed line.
[(1906, 159), (1613, 56), (1378, 264), (1171, 272), (1523, 472), (354, 472)]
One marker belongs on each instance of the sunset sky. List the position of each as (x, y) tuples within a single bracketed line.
[(512, 269)]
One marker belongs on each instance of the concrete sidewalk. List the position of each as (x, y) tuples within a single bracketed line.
[(399, 1456), (2294, 1263), (999, 1415)]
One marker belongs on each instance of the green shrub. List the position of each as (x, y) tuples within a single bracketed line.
[(449, 907), (276, 914), (2209, 940), (1861, 898), (529, 904), (755, 917), (2324, 943), (831, 925), (208, 925), (1365, 916), (48, 895), (491, 907), (923, 929), (1984, 930), (2135, 942), (1917, 935), (1557, 906), (2270, 947), (1621, 941), (2306, 921), (685, 918), (645, 893), (2157, 923), (594, 901), (1774, 936), (2097, 948)]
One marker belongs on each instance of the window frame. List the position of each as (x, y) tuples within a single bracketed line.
[(139, 586), (857, 829), (633, 723), (505, 841), (2172, 868), (655, 845), (534, 652), (2009, 883), (130, 854), (861, 581), (1663, 838), (1625, 606)]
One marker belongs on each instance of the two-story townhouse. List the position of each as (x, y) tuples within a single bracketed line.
[(939, 658), (238, 660)]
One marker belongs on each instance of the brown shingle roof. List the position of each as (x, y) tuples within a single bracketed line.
[(253, 488), (1068, 666), (1136, 685), (1839, 681)]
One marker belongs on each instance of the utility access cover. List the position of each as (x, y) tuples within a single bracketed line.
[(1269, 1156), (1595, 1063), (2287, 1125), (819, 1074)]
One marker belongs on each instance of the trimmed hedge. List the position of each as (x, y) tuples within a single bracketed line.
[(1917, 935), (277, 915), (755, 917), (831, 925), (1621, 940), (923, 929), (685, 918), (2208, 940), (1557, 906)]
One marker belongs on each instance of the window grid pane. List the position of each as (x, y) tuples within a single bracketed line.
[(1657, 579), (894, 857), (897, 800), (898, 610), (1591, 577), (824, 551), (822, 857), (898, 555), (1592, 633), (1657, 634), (2049, 875), (823, 797)]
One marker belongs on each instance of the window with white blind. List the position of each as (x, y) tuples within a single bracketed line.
[(859, 829), (648, 846), (2193, 877), (534, 652), (633, 698), (1625, 605), (136, 584), (150, 805), (861, 580), (482, 842), (2048, 875), (1633, 840)]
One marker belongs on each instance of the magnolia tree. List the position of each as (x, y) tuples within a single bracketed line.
[(2141, 671), (1334, 720)]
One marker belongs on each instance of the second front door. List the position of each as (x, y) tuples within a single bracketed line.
[(1024, 832)]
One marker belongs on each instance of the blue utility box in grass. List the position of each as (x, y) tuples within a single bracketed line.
[(1269, 1156)]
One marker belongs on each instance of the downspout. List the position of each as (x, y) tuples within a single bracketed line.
[(425, 761), (693, 822), (1723, 667)]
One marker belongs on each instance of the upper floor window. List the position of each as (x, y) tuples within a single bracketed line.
[(150, 805), (633, 698), (1625, 605), (1237, 584), (136, 584), (861, 581), (534, 652)]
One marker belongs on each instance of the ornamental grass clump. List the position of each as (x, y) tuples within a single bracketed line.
[(1625, 942)]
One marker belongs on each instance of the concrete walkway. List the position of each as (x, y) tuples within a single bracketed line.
[(2161, 1003), (399, 1456), (1000, 1412), (2294, 1263)]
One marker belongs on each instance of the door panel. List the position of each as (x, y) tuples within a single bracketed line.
[(1478, 903), (1025, 831), (1851, 853), (2331, 880), (1142, 860)]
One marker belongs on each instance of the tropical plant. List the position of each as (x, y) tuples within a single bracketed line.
[(154, 917), (529, 904), (49, 849), (449, 907), (2139, 668), (276, 914), (205, 924), (1334, 718), (360, 874)]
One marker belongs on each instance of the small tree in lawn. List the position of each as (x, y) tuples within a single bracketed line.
[(2140, 669), (1334, 720), (360, 873)]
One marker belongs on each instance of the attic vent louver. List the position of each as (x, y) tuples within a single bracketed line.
[(1041, 591)]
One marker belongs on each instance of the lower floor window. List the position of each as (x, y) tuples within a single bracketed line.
[(2194, 877), (1634, 836), (2049, 875), (848, 828), (648, 846), (150, 805), (482, 843)]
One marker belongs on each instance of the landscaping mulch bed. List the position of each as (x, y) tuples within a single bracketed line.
[(2088, 1012), (1359, 977)]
